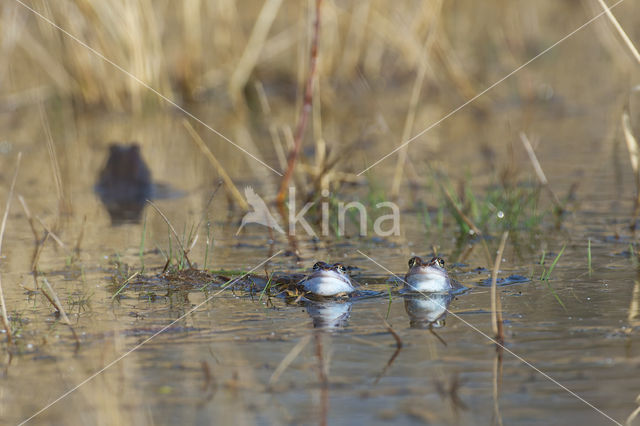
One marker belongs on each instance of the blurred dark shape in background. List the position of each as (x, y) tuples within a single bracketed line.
[(125, 184)]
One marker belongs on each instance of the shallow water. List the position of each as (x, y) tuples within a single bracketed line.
[(217, 362), (145, 358)]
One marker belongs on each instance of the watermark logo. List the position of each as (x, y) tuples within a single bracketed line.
[(260, 213), (384, 225)]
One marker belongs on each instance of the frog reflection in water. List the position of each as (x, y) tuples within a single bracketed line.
[(428, 310), (125, 183), (430, 277), (329, 314), (328, 280)]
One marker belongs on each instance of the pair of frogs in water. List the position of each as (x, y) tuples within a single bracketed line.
[(330, 280)]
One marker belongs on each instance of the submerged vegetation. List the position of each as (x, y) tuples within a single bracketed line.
[(499, 208)]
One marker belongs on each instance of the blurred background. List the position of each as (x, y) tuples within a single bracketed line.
[(386, 71)]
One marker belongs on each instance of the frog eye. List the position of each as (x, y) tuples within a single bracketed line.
[(440, 262), (413, 262), (317, 266), (340, 267)]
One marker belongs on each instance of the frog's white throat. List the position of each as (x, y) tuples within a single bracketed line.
[(428, 280), (327, 283)]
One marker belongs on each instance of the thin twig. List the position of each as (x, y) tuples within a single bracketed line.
[(497, 386), (620, 30), (124, 284), (395, 354), (175, 234), (464, 217), (632, 147), (9, 197), (63, 204), (323, 377), (538, 169), (254, 48), (292, 355), (634, 414), (58, 306), (50, 232), (39, 242), (36, 255), (304, 115), (496, 305), (27, 212), (5, 317), (634, 308), (206, 208), (410, 119), (216, 164), (76, 248)]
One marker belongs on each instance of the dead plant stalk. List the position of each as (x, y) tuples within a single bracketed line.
[(410, 119), (5, 317), (63, 203), (496, 305), (632, 147), (539, 173), (231, 187), (304, 116), (621, 32)]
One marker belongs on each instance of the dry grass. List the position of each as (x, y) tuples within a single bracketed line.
[(496, 304), (225, 48), (183, 52), (215, 52), (230, 186), (540, 173), (3, 306), (183, 249), (621, 32)]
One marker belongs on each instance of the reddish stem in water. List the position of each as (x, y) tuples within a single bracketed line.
[(304, 117)]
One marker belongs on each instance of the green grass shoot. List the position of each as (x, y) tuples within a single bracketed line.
[(124, 285), (546, 274), (266, 288)]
